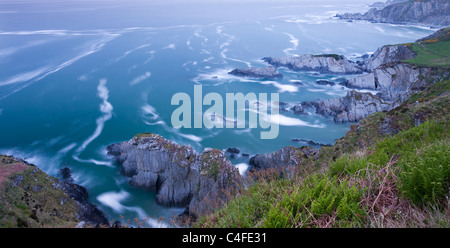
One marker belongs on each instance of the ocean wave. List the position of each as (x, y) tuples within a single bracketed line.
[(106, 108), (242, 167), (126, 53), (170, 46), (283, 120), (114, 201), (140, 78), (38, 74), (282, 87), (295, 42)]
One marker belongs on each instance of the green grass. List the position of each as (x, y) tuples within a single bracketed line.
[(36, 202), (435, 54), (335, 56)]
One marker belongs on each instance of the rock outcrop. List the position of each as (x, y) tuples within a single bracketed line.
[(388, 54), (284, 158), (435, 13), (269, 72), (87, 212), (396, 82), (353, 107), (325, 63), (179, 175)]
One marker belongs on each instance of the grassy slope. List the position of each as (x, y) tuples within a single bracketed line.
[(30, 198), (365, 180), (433, 52)]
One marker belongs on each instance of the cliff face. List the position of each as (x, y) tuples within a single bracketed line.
[(430, 12), (388, 54), (355, 106), (330, 63), (179, 175)]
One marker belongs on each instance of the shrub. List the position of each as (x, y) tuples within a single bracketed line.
[(426, 178)]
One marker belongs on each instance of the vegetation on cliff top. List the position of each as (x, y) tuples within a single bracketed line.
[(31, 198), (390, 170), (433, 51)]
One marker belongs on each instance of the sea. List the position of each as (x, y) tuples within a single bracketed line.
[(76, 76)]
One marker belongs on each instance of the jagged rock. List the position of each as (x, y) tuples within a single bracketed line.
[(269, 72), (398, 81), (287, 157), (233, 150), (298, 109), (87, 212), (325, 82), (355, 106), (309, 142), (66, 173), (431, 12), (331, 63), (388, 54), (179, 175)]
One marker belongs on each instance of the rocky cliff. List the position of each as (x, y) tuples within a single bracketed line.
[(31, 198), (286, 157), (179, 175), (325, 63), (434, 13), (397, 81), (390, 75), (353, 107), (388, 54)]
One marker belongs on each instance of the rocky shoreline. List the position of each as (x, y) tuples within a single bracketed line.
[(434, 13)]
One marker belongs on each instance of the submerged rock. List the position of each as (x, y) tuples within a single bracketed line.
[(179, 175), (325, 82)]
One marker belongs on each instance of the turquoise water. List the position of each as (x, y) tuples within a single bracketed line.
[(76, 77)]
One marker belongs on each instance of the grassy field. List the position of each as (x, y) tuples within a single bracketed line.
[(432, 52)]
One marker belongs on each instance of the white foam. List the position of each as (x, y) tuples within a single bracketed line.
[(170, 46), (140, 78), (112, 199), (38, 74), (92, 161), (191, 137), (149, 110), (282, 120), (106, 108), (152, 56), (66, 149), (130, 51), (295, 42), (242, 167), (282, 87)]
